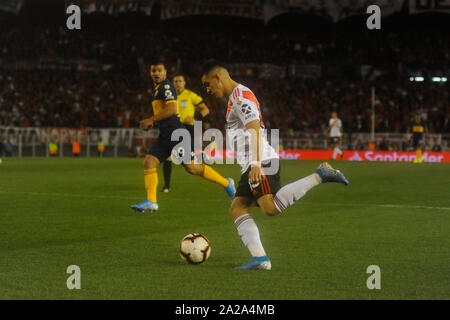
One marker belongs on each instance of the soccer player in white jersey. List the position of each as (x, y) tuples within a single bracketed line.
[(257, 186), (335, 133)]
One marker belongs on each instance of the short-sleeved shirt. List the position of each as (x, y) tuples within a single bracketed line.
[(335, 130), (187, 101), (418, 129), (243, 107), (163, 93)]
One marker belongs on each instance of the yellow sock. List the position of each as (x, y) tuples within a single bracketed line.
[(211, 175), (151, 182), (419, 155)]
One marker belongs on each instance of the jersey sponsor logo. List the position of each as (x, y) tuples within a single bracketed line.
[(250, 96), (184, 103), (246, 109)]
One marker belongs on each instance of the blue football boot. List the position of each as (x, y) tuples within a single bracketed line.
[(329, 174), (230, 189), (146, 205), (259, 263)]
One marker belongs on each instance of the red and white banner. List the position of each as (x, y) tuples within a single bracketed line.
[(351, 155), (364, 155)]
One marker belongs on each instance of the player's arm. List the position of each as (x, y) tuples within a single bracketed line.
[(203, 109), (170, 109), (329, 128), (254, 127), (146, 123)]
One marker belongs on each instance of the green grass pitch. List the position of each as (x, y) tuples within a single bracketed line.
[(60, 212)]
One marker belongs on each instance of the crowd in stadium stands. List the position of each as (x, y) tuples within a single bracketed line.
[(121, 97), (385, 51)]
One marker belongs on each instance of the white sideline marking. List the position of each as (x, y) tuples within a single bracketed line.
[(35, 193), (411, 207)]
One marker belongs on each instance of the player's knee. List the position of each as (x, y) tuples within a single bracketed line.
[(189, 169), (194, 169), (236, 210), (269, 209), (149, 163), (146, 163)]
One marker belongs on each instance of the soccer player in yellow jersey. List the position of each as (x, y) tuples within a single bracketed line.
[(166, 118), (188, 104)]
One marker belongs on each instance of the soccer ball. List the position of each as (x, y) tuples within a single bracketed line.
[(195, 248)]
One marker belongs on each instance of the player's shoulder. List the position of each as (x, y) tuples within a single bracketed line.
[(167, 84), (167, 90), (242, 93)]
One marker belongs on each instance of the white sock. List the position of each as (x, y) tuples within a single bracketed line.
[(339, 151), (292, 192), (249, 233)]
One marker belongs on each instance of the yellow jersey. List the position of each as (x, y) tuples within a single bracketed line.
[(187, 101)]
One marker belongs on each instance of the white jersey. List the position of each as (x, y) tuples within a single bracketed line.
[(243, 107), (335, 130)]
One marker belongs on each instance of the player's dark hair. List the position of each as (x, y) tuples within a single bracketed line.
[(180, 75), (157, 61), (210, 65)]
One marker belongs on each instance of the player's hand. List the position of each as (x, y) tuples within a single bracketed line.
[(146, 123), (255, 174)]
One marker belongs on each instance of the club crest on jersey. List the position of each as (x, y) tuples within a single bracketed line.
[(238, 100), (166, 86)]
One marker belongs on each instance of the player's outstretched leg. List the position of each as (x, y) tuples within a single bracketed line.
[(151, 183), (210, 174), (292, 192), (249, 233)]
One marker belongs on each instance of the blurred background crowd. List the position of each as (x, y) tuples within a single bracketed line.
[(98, 76)]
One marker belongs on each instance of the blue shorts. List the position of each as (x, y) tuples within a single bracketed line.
[(162, 147)]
